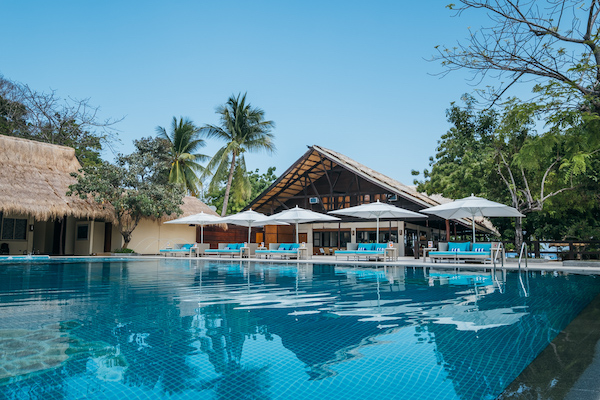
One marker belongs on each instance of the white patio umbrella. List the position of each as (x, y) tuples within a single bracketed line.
[(471, 207), (250, 218), (198, 219), (377, 210), (299, 215)]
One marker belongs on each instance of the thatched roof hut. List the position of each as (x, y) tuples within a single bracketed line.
[(34, 180), (190, 206)]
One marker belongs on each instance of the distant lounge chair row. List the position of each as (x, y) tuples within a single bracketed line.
[(467, 251), (283, 250), (366, 250)]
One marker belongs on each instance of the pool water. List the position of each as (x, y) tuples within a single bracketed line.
[(191, 329)]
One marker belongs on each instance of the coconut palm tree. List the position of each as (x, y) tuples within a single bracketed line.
[(184, 141), (243, 129)]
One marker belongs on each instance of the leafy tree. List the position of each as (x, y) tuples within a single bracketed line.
[(500, 156), (258, 183), (133, 188), (243, 128), (184, 142), (553, 40), (45, 117), (12, 118)]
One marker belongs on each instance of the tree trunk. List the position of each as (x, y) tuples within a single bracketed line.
[(228, 187), (518, 234), (126, 238)]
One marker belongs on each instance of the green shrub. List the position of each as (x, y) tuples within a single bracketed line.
[(124, 250)]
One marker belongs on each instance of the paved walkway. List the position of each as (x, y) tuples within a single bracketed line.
[(568, 266)]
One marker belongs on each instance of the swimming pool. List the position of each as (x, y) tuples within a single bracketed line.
[(183, 329)]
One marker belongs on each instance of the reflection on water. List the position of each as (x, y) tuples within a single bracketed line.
[(228, 330)]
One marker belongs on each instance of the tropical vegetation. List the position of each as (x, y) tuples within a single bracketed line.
[(46, 117), (540, 156), (183, 143), (243, 129), (499, 154), (132, 188), (258, 183)]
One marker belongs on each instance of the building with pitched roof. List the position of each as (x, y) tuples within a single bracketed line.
[(324, 180), (37, 216)]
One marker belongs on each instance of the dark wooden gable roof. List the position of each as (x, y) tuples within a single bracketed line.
[(318, 164)]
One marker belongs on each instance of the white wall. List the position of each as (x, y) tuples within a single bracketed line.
[(151, 236), (19, 247)]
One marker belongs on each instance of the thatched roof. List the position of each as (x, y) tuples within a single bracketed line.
[(190, 206), (34, 180)]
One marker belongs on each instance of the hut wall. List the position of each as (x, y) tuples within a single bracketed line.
[(98, 237), (42, 237), (151, 236), (83, 236), (8, 229)]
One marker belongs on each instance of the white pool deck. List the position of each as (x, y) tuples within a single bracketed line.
[(575, 267)]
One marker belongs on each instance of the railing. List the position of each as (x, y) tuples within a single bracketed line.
[(523, 253), (565, 250), (498, 250)]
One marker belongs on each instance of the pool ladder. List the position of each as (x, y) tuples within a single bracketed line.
[(523, 255)]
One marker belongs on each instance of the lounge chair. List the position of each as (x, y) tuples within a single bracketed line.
[(179, 249), (227, 249), (367, 250), (467, 251), (284, 250)]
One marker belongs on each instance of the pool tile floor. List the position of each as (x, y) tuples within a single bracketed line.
[(569, 368)]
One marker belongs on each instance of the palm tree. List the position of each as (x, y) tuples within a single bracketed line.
[(243, 128), (183, 142)]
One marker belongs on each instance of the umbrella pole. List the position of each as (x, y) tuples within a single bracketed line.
[(473, 222), (296, 232), (249, 231)]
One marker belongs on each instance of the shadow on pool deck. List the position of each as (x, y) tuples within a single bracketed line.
[(569, 368)]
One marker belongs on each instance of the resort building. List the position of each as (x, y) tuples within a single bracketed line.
[(323, 180), (37, 216)]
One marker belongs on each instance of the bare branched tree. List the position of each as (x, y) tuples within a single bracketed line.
[(555, 41), (46, 117)]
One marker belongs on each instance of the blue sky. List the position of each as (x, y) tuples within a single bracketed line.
[(346, 75)]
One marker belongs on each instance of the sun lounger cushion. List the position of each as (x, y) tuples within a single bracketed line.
[(452, 246), (482, 247)]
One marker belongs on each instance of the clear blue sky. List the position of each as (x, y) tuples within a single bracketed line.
[(347, 75)]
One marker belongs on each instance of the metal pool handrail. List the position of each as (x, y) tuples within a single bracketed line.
[(524, 250), (495, 255), (523, 247)]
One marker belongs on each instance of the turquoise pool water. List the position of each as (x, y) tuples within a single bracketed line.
[(189, 329)]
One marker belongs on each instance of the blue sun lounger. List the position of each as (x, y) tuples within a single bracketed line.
[(179, 249), (226, 249), (284, 250), (467, 251), (367, 250)]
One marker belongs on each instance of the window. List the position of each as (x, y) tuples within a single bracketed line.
[(330, 239), (82, 232), (14, 229)]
